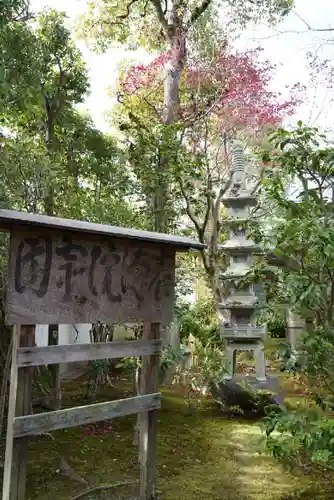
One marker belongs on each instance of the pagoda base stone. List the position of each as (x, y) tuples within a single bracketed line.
[(256, 346)]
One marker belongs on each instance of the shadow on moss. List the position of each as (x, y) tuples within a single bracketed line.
[(200, 456)]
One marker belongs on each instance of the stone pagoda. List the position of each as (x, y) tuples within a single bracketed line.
[(241, 306)]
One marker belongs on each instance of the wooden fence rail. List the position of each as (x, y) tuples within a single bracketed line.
[(36, 356), (82, 415)]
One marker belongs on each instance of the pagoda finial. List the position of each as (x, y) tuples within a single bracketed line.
[(238, 166)]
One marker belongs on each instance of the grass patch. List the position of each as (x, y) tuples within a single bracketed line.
[(200, 456)]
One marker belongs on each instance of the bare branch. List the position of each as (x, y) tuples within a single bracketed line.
[(209, 207), (196, 14), (145, 9), (206, 261), (24, 14), (224, 188), (301, 19), (190, 213), (23, 18), (128, 9), (308, 26), (119, 19), (105, 487), (151, 106)]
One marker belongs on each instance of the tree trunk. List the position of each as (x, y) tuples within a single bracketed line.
[(49, 210), (53, 339), (218, 295), (171, 113), (160, 198), (173, 71)]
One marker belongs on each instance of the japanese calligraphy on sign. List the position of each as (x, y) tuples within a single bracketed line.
[(55, 278)]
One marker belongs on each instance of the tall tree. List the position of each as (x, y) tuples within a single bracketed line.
[(45, 77), (13, 15), (167, 25), (52, 159), (229, 96)]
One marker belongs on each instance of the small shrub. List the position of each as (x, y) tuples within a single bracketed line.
[(170, 356), (208, 365), (201, 321), (276, 328), (304, 439)]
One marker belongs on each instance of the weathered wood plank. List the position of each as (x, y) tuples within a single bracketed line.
[(148, 420), (50, 355), (58, 278), (11, 415), (82, 415)]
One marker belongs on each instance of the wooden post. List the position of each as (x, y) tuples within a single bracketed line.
[(23, 407), (53, 339), (148, 420), (11, 415)]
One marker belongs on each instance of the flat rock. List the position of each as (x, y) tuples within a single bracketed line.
[(254, 398)]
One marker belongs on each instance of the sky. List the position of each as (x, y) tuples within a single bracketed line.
[(285, 46)]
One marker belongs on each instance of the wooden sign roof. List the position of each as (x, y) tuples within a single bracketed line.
[(11, 219)]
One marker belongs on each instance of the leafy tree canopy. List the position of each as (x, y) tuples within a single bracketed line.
[(152, 23), (13, 10)]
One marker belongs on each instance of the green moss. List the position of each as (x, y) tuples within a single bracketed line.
[(200, 456)]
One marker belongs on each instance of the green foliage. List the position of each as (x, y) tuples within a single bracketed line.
[(316, 354), (12, 10), (45, 76), (144, 23), (256, 10), (17, 65), (170, 356), (112, 22), (206, 36), (201, 321), (302, 439), (44, 71), (53, 159), (208, 366), (303, 232), (86, 173), (276, 328), (186, 275), (298, 182)]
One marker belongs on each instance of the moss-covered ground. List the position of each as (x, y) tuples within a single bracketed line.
[(201, 455)]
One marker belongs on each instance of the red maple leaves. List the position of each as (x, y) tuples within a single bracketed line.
[(233, 86)]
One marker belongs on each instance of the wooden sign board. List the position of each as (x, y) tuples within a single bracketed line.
[(57, 278)]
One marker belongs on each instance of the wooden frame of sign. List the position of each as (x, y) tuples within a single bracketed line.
[(63, 272)]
